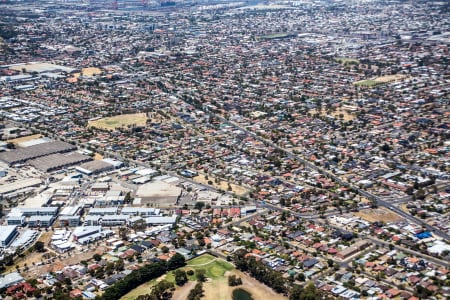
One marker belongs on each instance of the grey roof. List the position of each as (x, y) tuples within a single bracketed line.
[(46, 218), (57, 161), (39, 210), (161, 220), (10, 279), (24, 154), (96, 166)]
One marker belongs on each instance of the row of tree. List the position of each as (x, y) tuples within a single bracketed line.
[(273, 279), (142, 275), (260, 271)]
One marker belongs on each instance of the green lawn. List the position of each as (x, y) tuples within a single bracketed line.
[(346, 60), (200, 260), (215, 268)]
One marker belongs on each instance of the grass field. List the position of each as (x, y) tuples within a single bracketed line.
[(346, 60), (368, 83), (215, 268), (216, 288), (115, 122)]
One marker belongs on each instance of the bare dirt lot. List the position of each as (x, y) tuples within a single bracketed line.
[(378, 214), (238, 190), (25, 138)]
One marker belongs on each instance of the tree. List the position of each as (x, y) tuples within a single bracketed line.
[(140, 225), (39, 246), (385, 147), (176, 261), (180, 277), (199, 205), (123, 233), (128, 197), (301, 277), (97, 257), (200, 273), (196, 293), (296, 292), (233, 280), (163, 290)]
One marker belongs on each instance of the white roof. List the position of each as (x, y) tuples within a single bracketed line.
[(6, 231)]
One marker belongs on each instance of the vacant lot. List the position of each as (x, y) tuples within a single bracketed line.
[(115, 122), (380, 80), (216, 287), (223, 185), (25, 138), (378, 214)]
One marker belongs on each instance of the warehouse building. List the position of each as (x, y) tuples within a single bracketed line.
[(58, 161), (22, 155), (9, 189), (95, 167)]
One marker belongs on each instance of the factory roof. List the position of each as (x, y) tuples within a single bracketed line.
[(57, 160), (24, 154)]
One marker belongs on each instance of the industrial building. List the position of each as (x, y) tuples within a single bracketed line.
[(95, 167), (15, 218), (18, 186), (88, 234), (38, 211), (157, 220), (97, 211), (41, 221), (107, 220), (7, 235), (71, 221), (140, 211), (58, 161), (22, 155), (111, 198), (25, 239)]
